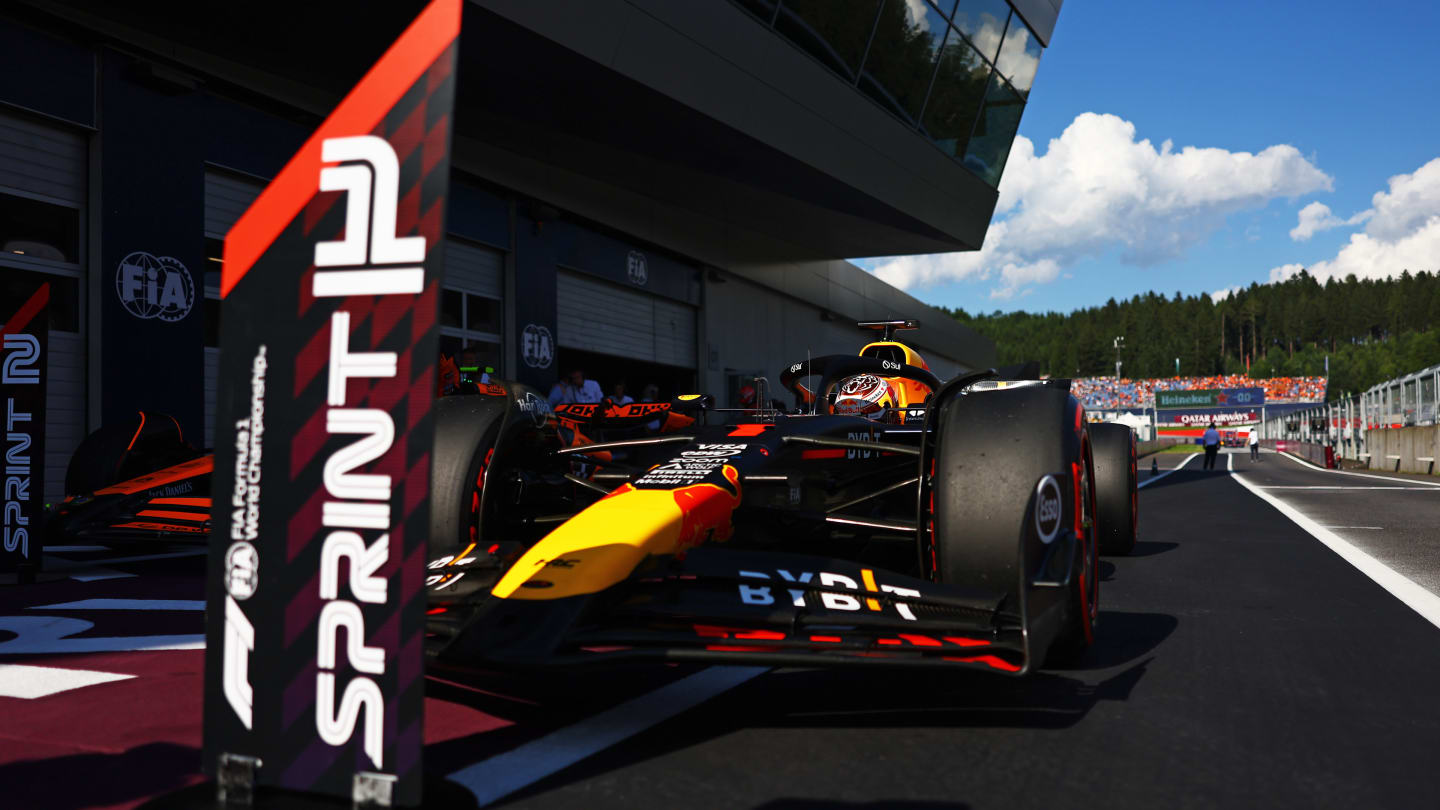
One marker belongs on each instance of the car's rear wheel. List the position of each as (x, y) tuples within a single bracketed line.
[(1116, 480)]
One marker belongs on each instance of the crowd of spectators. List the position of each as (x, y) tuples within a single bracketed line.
[(1108, 393)]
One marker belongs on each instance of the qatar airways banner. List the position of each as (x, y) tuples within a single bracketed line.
[(1210, 398), (1202, 417)]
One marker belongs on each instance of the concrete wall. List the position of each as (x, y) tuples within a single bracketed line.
[(1409, 444)]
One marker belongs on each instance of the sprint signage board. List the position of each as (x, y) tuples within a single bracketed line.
[(315, 585), (24, 323), (1210, 398)]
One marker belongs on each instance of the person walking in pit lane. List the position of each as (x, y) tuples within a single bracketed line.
[(1254, 444), (1211, 440)]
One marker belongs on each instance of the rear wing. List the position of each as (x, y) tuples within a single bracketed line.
[(889, 328)]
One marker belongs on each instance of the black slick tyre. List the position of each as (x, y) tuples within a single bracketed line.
[(1116, 504), (466, 431), (993, 449)]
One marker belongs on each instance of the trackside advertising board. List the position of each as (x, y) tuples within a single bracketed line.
[(1211, 398), (329, 345), (24, 324)]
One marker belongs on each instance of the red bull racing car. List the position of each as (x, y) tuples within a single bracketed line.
[(890, 518)]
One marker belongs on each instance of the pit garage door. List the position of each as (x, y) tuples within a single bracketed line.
[(471, 308), (42, 230), (597, 316), (227, 196)]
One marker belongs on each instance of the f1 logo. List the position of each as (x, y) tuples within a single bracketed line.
[(370, 177)]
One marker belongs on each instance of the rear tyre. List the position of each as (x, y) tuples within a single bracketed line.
[(1116, 481), (992, 450)]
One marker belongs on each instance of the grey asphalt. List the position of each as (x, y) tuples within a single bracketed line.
[(1240, 664), (1394, 518)]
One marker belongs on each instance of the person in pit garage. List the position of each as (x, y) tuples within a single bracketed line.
[(575, 389), (1211, 440)]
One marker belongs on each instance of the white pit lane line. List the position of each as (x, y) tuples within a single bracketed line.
[(28, 683), (1178, 467), (1308, 465), (126, 604), (499, 776), (1401, 587)]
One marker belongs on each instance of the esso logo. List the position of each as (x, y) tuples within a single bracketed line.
[(1047, 509), (242, 570)]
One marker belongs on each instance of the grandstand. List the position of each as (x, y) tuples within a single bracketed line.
[(1108, 393)]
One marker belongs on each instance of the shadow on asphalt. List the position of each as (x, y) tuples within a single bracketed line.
[(878, 698), (98, 780), (1185, 476), (1149, 548), (894, 803)]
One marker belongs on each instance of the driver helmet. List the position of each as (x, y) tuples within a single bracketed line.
[(747, 396), (864, 395)]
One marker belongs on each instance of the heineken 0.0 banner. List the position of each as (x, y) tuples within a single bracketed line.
[(1211, 398)]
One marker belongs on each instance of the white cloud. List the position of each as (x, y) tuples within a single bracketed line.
[(1097, 189), (1369, 257), (1316, 217), (1403, 232), (1221, 295), (1412, 200)]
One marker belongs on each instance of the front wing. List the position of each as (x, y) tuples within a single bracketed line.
[(718, 605)]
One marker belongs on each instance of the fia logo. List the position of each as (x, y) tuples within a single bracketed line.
[(636, 267), (537, 347), (151, 287)]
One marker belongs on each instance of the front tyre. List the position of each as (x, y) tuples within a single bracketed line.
[(992, 450)]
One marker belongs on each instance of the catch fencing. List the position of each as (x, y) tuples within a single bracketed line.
[(1391, 426)]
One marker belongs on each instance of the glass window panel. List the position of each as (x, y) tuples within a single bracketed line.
[(212, 322), (833, 31), (1019, 56), (994, 131), (39, 230), (955, 98), (214, 260), (902, 55), (764, 9), (64, 303), (452, 311), (983, 23), (946, 7), (482, 314), (482, 354), (450, 346)]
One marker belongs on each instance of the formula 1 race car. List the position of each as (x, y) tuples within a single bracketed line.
[(892, 519)]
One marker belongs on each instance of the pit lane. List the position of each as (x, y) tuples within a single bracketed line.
[(1241, 663)]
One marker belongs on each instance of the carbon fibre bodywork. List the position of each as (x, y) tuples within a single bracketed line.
[(591, 534)]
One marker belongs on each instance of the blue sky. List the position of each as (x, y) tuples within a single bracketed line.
[(1329, 100)]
